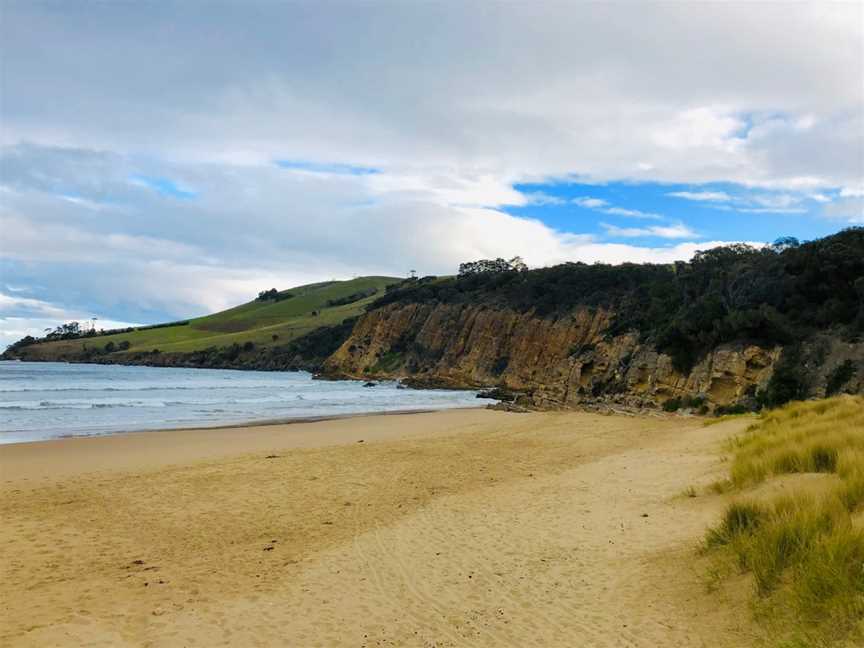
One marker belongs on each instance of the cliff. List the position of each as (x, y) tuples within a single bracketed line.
[(561, 361), (737, 328)]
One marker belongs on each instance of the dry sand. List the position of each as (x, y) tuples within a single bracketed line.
[(461, 528)]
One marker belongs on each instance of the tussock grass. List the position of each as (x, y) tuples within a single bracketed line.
[(801, 437), (805, 553)]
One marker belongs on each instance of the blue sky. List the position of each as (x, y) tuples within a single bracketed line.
[(156, 164), (624, 211), (164, 186)]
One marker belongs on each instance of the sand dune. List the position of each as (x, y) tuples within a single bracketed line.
[(468, 528)]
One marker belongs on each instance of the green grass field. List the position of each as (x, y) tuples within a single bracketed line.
[(265, 323)]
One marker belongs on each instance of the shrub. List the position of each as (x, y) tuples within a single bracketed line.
[(841, 374), (732, 410), (499, 366), (353, 297), (693, 402), (789, 380), (672, 405), (272, 295), (688, 402), (739, 518)]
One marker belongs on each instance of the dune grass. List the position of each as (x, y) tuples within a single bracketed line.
[(805, 552)]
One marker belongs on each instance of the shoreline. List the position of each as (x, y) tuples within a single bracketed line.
[(254, 423), (61, 457)]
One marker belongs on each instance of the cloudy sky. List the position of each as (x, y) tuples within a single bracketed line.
[(161, 160)]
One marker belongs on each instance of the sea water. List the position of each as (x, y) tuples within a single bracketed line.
[(53, 399)]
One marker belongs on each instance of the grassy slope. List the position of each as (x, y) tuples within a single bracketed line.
[(254, 321), (803, 550)]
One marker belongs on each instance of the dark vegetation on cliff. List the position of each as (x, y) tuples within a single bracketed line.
[(776, 295)]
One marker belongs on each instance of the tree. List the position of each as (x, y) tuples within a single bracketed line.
[(492, 265), (517, 264), (268, 295), (784, 243), (66, 331)]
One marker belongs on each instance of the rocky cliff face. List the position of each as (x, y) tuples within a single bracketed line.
[(555, 362)]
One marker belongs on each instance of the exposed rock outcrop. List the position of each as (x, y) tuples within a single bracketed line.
[(555, 362)]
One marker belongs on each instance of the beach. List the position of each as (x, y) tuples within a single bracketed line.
[(455, 528)]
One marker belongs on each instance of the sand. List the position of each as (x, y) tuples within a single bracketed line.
[(460, 528)]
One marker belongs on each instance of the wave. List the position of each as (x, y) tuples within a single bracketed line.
[(48, 405), (26, 390), (153, 403)]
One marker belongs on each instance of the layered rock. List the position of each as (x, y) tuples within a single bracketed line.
[(556, 362)]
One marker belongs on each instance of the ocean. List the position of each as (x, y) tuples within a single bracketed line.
[(51, 400)]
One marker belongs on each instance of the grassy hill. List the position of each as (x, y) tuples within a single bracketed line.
[(266, 324)]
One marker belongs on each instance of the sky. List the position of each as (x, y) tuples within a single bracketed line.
[(164, 160)]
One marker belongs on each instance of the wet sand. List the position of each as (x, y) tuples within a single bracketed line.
[(455, 528)]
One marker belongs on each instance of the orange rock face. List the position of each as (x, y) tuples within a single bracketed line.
[(558, 362)]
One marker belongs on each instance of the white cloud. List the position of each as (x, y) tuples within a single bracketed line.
[(678, 231), (590, 203), (467, 101), (771, 210), (782, 201), (849, 210), (540, 198), (624, 253), (29, 240), (313, 85), (33, 306), (603, 206), (86, 204), (705, 127), (631, 213), (708, 196)]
